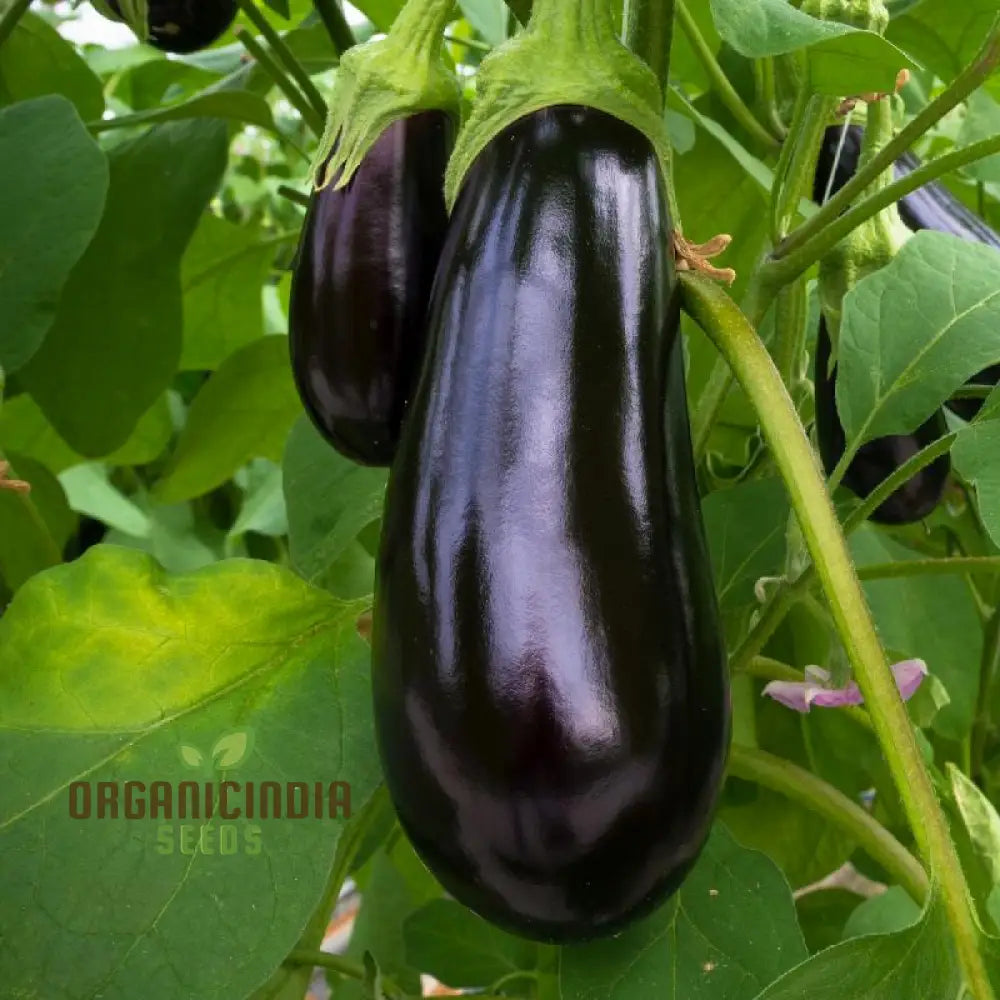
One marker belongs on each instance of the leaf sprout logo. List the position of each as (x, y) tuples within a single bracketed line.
[(214, 814), (229, 751)]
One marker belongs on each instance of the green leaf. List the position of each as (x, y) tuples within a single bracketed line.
[(730, 930), (232, 749), (916, 963), (933, 618), (380, 12), (914, 332), (330, 501), (244, 411), (746, 535), (890, 911), (24, 429), (488, 17), (234, 105), (37, 61), (822, 915), (461, 949), (35, 525), (978, 837), (54, 186), (108, 667), (943, 35), (982, 121), (843, 60), (89, 491), (263, 509), (976, 455), (116, 340), (222, 275)]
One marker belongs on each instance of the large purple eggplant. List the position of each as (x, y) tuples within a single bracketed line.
[(361, 285), (184, 26), (549, 676)]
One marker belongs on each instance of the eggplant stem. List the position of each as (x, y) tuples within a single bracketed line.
[(738, 342)]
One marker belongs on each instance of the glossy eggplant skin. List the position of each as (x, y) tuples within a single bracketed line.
[(550, 688), (931, 207), (186, 25), (878, 459), (361, 285)]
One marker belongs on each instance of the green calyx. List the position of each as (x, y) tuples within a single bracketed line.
[(866, 15), (134, 13), (383, 81), (874, 243), (568, 54)]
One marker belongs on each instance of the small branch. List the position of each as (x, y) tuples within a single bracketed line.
[(967, 81), (930, 567), (10, 16), (720, 82), (817, 796), (292, 194), (285, 56), (326, 960), (469, 43), (281, 79), (332, 16)]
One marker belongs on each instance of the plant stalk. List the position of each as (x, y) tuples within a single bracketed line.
[(332, 16), (285, 56), (282, 80), (797, 462), (648, 30), (805, 788), (964, 84), (720, 82), (952, 566)]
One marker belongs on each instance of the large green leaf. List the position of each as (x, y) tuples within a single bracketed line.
[(112, 671), (977, 457), (728, 932), (843, 60), (244, 411), (36, 61), (55, 180), (746, 529), (914, 332), (25, 430), (222, 274), (461, 949), (330, 502), (116, 339), (916, 963)]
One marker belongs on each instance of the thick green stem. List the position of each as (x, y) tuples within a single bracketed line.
[(312, 118), (754, 369), (648, 31), (968, 81), (422, 22), (285, 56), (726, 92), (817, 796), (332, 16), (10, 16), (805, 139), (326, 960)]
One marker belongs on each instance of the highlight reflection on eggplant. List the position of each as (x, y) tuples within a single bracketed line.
[(550, 685)]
